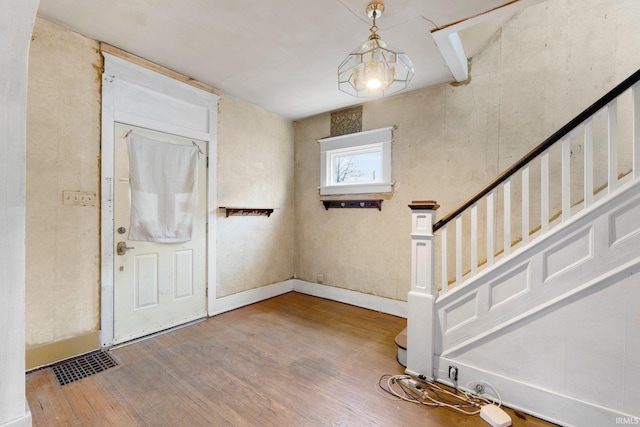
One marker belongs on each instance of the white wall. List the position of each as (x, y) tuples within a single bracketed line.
[(16, 20)]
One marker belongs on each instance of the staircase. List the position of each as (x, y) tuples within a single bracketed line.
[(540, 295)]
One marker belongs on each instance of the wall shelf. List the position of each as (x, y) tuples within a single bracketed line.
[(358, 204), (247, 211)]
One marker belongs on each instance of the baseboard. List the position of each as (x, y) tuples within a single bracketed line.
[(23, 421), (534, 400), (371, 302), (252, 296), (47, 354)]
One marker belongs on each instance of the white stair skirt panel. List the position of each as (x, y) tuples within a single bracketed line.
[(371, 302), (555, 328)]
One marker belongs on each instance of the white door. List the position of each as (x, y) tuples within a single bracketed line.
[(156, 285)]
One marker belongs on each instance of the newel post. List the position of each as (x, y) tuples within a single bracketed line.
[(422, 297)]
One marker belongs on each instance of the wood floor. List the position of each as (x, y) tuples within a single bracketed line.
[(293, 360)]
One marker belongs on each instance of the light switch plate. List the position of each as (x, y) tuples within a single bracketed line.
[(79, 198)]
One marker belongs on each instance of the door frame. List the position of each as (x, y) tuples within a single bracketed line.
[(138, 96)]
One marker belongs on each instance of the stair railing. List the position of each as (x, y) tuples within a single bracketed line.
[(608, 136), (596, 133)]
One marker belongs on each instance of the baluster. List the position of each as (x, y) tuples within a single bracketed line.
[(490, 235), (636, 130), (474, 239), (566, 178), (444, 255), (507, 216), (544, 192), (588, 163), (612, 111), (458, 249), (525, 205)]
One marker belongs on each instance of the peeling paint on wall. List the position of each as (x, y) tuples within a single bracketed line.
[(468, 81)]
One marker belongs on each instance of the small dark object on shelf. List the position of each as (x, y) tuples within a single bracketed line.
[(363, 204)]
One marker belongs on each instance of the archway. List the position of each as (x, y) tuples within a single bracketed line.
[(17, 23)]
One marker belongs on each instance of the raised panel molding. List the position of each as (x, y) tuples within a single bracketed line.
[(624, 223), (513, 285), (146, 280), (568, 254), (423, 222), (460, 313), (183, 274), (421, 272)]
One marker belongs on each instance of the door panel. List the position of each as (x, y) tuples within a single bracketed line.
[(156, 285), (183, 266), (145, 280)]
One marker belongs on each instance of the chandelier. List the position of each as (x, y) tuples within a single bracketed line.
[(374, 68)]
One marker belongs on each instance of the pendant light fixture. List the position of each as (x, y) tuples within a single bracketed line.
[(374, 68)]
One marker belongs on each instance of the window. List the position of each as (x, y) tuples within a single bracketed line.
[(356, 163)]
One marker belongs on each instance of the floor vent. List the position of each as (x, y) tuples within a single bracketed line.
[(83, 366)]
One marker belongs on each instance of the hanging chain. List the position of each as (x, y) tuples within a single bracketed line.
[(374, 27)]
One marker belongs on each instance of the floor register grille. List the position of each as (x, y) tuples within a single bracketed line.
[(83, 366)]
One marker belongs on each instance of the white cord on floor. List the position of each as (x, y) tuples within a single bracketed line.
[(408, 389), (496, 400)]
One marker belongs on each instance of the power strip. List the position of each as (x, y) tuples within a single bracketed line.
[(413, 386)]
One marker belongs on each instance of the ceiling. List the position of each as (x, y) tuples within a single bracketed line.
[(281, 55)]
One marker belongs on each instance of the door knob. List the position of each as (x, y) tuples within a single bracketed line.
[(122, 248)]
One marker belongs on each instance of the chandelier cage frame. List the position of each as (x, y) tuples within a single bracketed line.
[(374, 69)]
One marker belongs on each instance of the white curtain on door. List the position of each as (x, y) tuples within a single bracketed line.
[(163, 180)]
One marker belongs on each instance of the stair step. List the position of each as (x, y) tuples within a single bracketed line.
[(401, 339), (401, 343)]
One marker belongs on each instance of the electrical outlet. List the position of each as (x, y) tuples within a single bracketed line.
[(320, 278), (453, 373)]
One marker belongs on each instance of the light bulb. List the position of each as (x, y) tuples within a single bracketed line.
[(372, 75), (374, 84)]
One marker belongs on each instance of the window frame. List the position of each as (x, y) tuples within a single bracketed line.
[(376, 140)]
